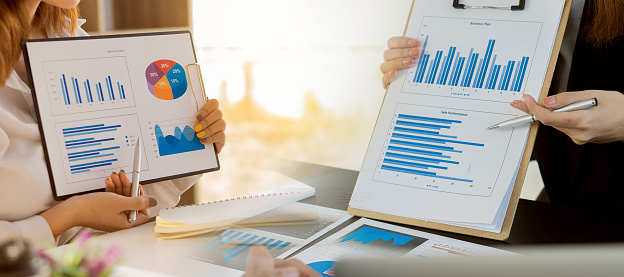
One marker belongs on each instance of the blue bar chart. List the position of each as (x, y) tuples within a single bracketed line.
[(88, 84), (424, 150), (94, 148), (497, 61), (229, 247)]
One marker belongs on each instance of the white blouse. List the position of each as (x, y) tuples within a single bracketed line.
[(25, 188)]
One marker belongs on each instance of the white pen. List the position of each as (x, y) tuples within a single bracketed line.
[(521, 120), (136, 167)]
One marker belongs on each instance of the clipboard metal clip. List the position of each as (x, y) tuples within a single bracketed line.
[(201, 84), (518, 7)]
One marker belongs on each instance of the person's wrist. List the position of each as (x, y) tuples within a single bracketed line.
[(63, 216)]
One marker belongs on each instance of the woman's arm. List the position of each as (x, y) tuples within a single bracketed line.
[(601, 124)]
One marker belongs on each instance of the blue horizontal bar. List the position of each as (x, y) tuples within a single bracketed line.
[(78, 140), (416, 151), (410, 164), (83, 155), (421, 125), (81, 171), (428, 119), (92, 157), (80, 165), (417, 158), (95, 150), (422, 173), (274, 244), (283, 246), (83, 127), (423, 132), (435, 140), (88, 133), (84, 145), (88, 142), (424, 145), (97, 165), (91, 129)]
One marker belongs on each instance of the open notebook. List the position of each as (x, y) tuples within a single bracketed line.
[(201, 218)]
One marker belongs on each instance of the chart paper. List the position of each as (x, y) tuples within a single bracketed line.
[(96, 97), (430, 156)]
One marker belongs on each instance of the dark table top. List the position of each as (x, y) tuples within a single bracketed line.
[(535, 222)]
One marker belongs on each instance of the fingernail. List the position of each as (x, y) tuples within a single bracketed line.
[(413, 52), (392, 71), (122, 171), (140, 186), (414, 43), (152, 202), (550, 100), (200, 117), (290, 272), (198, 128), (109, 179), (203, 140), (407, 61), (514, 103), (201, 134)]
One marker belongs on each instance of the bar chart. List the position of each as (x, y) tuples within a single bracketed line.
[(493, 65), (229, 247), (93, 148), (83, 85), (423, 150)]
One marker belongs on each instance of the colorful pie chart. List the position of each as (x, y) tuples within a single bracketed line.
[(166, 79)]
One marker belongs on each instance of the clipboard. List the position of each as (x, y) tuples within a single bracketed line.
[(95, 97), (519, 180)]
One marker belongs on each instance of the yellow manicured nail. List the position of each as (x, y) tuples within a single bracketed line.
[(201, 134), (109, 179), (198, 128)]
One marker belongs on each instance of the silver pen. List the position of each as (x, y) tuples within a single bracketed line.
[(521, 120), (136, 167)]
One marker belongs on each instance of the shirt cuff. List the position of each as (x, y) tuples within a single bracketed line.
[(36, 230)]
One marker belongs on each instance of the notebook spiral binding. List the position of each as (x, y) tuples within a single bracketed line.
[(234, 198)]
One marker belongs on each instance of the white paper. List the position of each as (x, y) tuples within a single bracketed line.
[(145, 94), (430, 155), (367, 238)]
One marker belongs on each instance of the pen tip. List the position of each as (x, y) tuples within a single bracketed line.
[(492, 127)]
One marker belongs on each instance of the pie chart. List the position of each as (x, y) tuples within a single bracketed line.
[(166, 79)]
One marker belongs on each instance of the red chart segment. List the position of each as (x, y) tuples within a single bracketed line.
[(166, 79)]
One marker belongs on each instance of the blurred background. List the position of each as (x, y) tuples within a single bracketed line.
[(297, 79)]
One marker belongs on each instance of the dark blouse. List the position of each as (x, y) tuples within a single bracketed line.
[(590, 175)]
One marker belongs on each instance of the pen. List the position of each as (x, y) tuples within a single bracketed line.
[(136, 167), (521, 120)]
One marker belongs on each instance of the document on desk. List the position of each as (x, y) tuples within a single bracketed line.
[(368, 238), (430, 156), (229, 247)]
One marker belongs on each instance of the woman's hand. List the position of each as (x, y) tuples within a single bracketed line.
[(119, 183), (261, 264), (401, 54), (601, 124), (105, 211), (210, 126)]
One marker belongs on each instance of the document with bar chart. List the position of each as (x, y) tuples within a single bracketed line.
[(430, 157), (367, 238), (97, 96)]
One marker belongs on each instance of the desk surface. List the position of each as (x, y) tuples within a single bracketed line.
[(535, 222)]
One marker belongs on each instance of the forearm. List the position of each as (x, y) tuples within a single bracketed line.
[(62, 217)]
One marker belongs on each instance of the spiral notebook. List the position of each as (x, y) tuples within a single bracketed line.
[(200, 218)]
